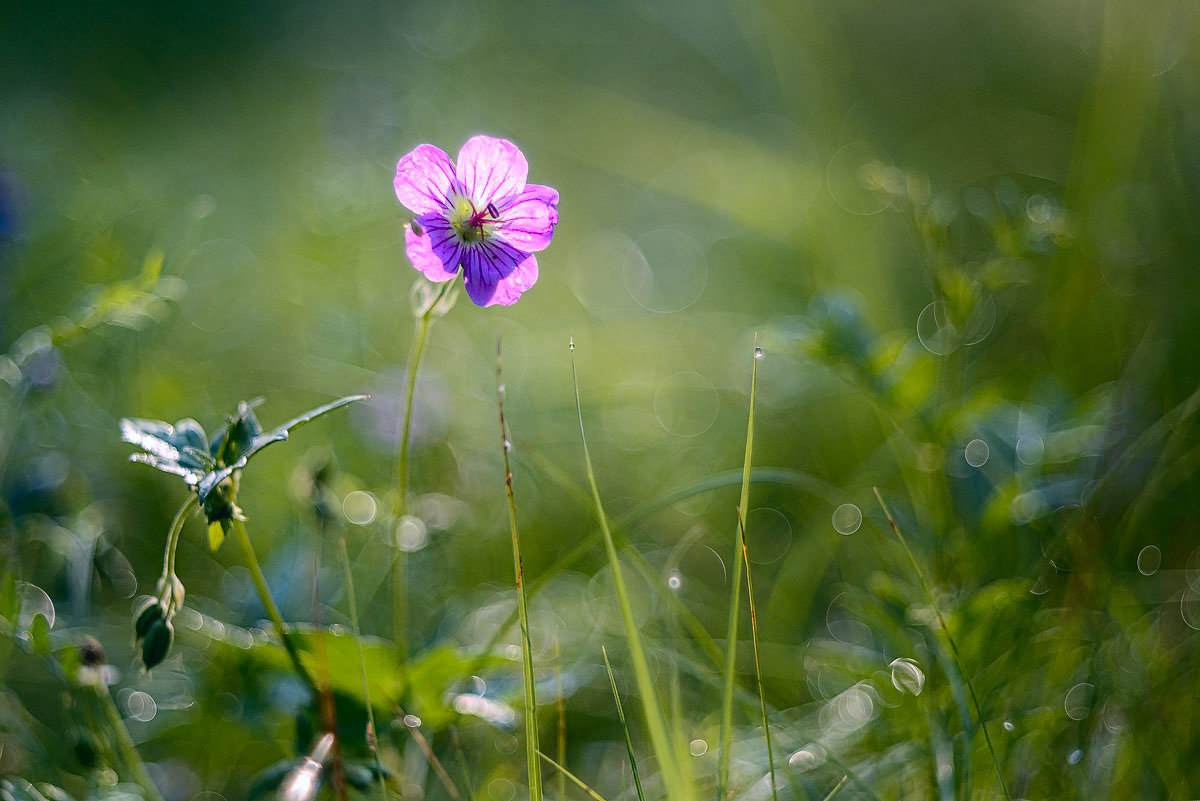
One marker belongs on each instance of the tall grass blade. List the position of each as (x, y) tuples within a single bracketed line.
[(637, 779), (568, 774), (676, 788), (762, 696), (560, 706), (735, 594), (949, 638), (372, 741), (531, 730)]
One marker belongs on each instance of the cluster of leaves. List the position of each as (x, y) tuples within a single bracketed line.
[(208, 465)]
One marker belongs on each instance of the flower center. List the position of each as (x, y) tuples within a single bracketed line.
[(470, 224)]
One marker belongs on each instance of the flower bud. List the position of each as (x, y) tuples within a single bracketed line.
[(157, 643), (149, 612)]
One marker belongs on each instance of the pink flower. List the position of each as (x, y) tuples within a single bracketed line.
[(479, 215)]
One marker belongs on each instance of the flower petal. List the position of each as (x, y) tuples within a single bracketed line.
[(435, 251), (497, 273), (527, 219), (491, 169), (424, 179)]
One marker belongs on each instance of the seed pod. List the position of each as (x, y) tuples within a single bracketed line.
[(150, 611), (157, 643)]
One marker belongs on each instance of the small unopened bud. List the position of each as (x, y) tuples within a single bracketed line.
[(157, 643), (149, 612)]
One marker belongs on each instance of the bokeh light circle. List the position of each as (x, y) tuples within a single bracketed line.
[(665, 271), (686, 404)]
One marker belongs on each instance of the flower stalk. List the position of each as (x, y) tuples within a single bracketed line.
[(429, 311), (264, 595)]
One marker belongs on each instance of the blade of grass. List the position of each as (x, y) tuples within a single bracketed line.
[(568, 774), (462, 757), (762, 696), (531, 731), (735, 595), (837, 787), (561, 708), (423, 744), (637, 779), (372, 744), (651, 707), (949, 638)]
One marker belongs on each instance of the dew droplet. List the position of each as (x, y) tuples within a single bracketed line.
[(412, 721), (758, 352), (847, 518), (1075, 757), (698, 747), (675, 581), (1148, 560), (1008, 726), (976, 453), (507, 445), (571, 343), (907, 675)]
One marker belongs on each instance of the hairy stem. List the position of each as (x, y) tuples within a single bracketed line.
[(400, 499), (264, 594), (128, 751), (173, 534)]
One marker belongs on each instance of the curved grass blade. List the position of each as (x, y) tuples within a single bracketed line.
[(762, 696), (531, 730), (637, 779), (651, 707), (735, 597), (578, 781), (949, 638)]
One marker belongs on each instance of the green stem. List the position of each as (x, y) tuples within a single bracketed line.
[(129, 754), (264, 594), (532, 745), (173, 534), (362, 664), (949, 638), (400, 499)]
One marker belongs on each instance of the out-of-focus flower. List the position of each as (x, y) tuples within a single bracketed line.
[(478, 214)]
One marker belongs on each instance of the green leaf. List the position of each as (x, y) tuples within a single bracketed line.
[(39, 632), (216, 534), (247, 449), (10, 604)]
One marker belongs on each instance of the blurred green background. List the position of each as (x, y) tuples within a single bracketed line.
[(965, 236)]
